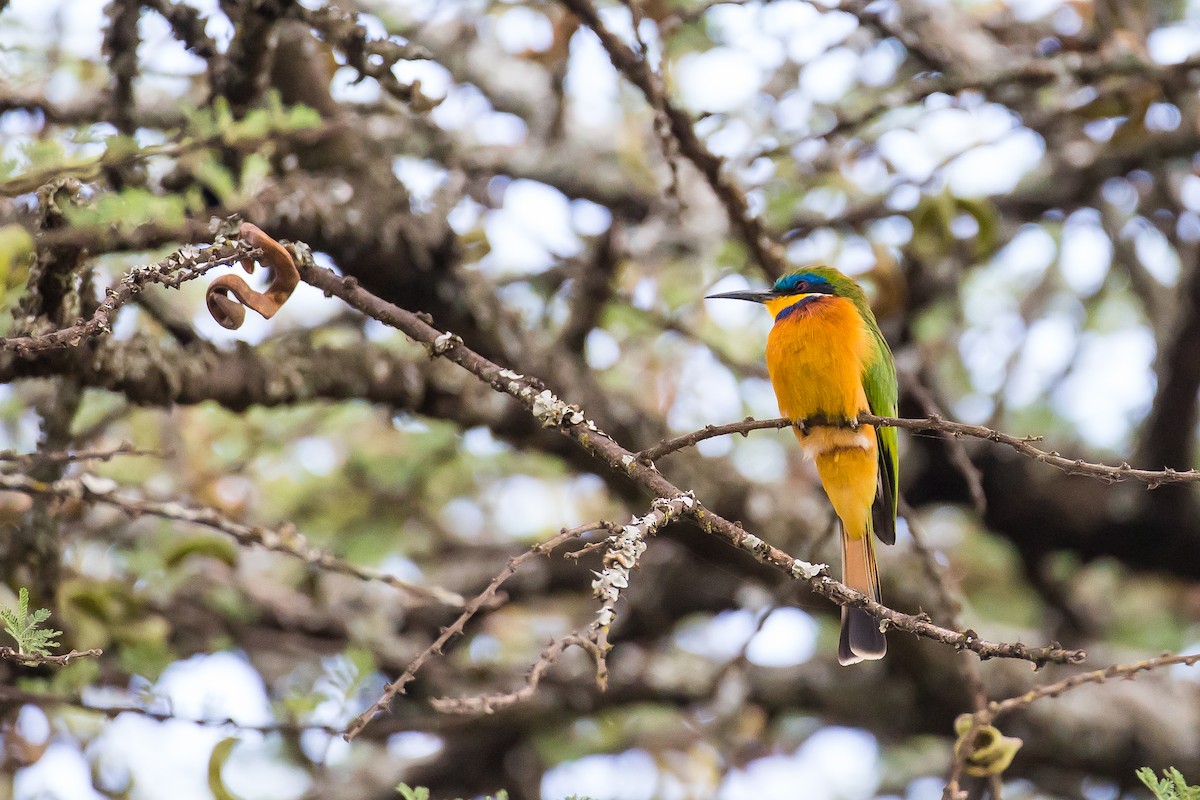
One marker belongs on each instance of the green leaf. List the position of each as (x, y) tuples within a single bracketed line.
[(410, 793), (216, 761), (1173, 786), (219, 547), (16, 250), (23, 627)]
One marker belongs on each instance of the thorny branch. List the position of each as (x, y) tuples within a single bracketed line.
[(767, 253), (1126, 671), (623, 549), (90, 488), (25, 460), (1022, 444), (184, 265), (985, 716), (456, 628)]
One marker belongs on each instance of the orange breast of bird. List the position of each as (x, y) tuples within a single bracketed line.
[(815, 357)]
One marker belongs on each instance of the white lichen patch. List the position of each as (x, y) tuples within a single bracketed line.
[(807, 571), (445, 342), (553, 412), (622, 555), (752, 542), (626, 547), (96, 484)]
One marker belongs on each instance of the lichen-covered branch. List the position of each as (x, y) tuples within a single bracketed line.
[(622, 551), (184, 265)]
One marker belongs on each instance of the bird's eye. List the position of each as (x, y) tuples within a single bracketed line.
[(801, 287)]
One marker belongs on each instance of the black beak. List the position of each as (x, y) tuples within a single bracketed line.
[(753, 297)]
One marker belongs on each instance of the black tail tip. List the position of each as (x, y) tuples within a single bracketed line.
[(861, 639)]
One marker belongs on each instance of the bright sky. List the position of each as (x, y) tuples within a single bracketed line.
[(986, 151)]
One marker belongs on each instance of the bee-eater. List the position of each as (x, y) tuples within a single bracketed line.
[(828, 360)]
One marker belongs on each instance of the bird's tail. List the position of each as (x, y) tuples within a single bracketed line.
[(861, 639)]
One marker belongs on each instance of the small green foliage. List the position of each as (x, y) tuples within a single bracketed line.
[(23, 626), (216, 762), (1172, 786), (343, 678), (16, 250), (205, 545), (410, 793), (133, 206), (217, 121)]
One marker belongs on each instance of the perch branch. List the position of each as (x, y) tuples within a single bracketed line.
[(1022, 444)]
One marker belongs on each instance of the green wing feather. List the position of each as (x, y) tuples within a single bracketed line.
[(879, 383)]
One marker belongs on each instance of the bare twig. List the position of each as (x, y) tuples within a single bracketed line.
[(24, 460), (1081, 69), (954, 446), (766, 252), (11, 694), (35, 659), (89, 488), (491, 703), (1127, 671), (456, 628)]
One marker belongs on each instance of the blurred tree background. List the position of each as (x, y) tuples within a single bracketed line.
[(1016, 183)]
